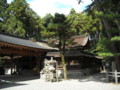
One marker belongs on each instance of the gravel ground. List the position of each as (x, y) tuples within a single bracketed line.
[(94, 82)]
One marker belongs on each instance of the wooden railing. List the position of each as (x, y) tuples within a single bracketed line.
[(115, 75)]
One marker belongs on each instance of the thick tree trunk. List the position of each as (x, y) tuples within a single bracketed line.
[(64, 66), (118, 25), (113, 47), (62, 52), (117, 61)]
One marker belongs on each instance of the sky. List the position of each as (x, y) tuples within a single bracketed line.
[(42, 7)]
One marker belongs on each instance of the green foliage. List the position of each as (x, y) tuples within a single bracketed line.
[(109, 16), (48, 19), (49, 31), (105, 54), (72, 11), (59, 18), (15, 14), (108, 54), (102, 45), (116, 38), (108, 12), (47, 34), (3, 7), (14, 26), (82, 23), (19, 19), (35, 26), (55, 26)]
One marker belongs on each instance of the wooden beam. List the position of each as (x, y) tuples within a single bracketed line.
[(4, 44), (18, 52)]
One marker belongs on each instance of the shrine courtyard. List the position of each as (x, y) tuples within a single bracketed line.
[(32, 82)]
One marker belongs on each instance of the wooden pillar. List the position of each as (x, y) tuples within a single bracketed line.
[(69, 63), (11, 65), (17, 66), (11, 70), (38, 63), (41, 62), (40, 59)]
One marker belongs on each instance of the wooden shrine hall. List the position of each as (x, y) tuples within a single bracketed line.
[(75, 55), (17, 47)]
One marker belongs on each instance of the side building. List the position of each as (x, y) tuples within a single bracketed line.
[(18, 54)]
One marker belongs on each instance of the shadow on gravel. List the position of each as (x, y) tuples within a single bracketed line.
[(17, 78), (100, 77), (8, 84), (7, 81)]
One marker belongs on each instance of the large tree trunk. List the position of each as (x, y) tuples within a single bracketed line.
[(64, 66), (118, 26), (62, 52), (113, 47)]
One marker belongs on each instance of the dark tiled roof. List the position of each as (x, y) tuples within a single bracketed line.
[(20, 41)]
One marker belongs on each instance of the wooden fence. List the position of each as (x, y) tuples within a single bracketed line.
[(115, 75)]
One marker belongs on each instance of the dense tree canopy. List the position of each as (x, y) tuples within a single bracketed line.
[(3, 15), (108, 11), (19, 19)]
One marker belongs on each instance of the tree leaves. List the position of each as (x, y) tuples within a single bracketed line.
[(14, 26), (108, 12), (116, 38), (82, 23), (19, 19)]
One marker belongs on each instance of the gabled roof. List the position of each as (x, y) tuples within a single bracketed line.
[(74, 41), (79, 41), (20, 41)]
